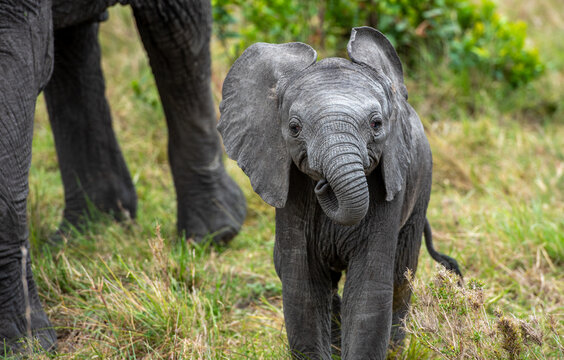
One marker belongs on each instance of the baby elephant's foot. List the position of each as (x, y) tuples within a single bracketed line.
[(214, 207)]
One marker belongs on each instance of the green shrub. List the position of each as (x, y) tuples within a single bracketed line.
[(470, 36)]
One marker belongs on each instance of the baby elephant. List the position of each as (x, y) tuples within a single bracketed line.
[(336, 148)]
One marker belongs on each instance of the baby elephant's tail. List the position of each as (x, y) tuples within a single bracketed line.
[(446, 261)]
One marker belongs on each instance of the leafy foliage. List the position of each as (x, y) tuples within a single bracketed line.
[(473, 37)]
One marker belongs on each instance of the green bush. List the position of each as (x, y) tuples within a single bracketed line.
[(470, 36)]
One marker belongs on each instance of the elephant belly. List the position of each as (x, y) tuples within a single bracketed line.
[(335, 244), (73, 12)]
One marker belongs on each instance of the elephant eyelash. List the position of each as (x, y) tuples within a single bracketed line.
[(295, 127), (377, 125)]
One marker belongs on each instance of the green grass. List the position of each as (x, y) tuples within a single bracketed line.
[(132, 290)]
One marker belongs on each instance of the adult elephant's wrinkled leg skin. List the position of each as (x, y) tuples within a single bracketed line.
[(92, 166), (25, 66), (176, 35)]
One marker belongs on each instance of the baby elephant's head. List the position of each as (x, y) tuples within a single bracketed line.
[(336, 120)]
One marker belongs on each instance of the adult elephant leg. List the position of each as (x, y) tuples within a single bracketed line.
[(25, 65), (176, 35), (92, 166)]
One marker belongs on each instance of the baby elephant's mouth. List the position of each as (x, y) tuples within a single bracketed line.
[(374, 161)]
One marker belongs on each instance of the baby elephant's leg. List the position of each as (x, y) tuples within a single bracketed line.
[(367, 306), (306, 293), (409, 243), (335, 315)]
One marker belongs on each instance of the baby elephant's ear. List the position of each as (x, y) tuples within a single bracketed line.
[(369, 46), (249, 120)]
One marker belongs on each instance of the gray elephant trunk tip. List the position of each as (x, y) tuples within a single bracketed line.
[(343, 214), (324, 191)]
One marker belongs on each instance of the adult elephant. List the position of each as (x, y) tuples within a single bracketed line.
[(52, 45)]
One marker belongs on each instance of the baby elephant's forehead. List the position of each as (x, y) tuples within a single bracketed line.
[(334, 72), (334, 85), (335, 76)]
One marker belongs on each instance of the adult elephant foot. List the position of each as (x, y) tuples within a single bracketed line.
[(110, 194), (212, 207), (24, 327), (14, 334)]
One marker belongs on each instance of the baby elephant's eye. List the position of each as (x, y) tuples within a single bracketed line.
[(376, 124), (295, 127)]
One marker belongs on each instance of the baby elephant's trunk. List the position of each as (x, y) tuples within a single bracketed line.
[(343, 194)]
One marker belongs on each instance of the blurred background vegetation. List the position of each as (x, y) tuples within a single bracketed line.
[(487, 81), (470, 36)]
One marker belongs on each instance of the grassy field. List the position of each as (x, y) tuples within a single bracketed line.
[(134, 291)]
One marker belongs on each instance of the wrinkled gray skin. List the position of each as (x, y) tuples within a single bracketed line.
[(42, 40), (336, 148)]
